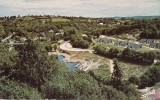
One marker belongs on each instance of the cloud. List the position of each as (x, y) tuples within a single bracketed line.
[(90, 8)]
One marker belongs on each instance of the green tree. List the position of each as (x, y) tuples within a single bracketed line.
[(134, 79), (14, 90), (6, 60), (33, 65), (117, 75), (86, 87), (110, 93)]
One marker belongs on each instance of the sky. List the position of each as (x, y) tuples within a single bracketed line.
[(86, 8)]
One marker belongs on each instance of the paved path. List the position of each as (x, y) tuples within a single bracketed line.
[(68, 47), (3, 40)]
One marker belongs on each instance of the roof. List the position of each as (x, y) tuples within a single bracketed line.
[(134, 46), (150, 40), (117, 42), (156, 95), (153, 44), (105, 41), (144, 40), (158, 45), (123, 43)]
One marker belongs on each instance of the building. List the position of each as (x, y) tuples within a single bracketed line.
[(101, 24), (149, 41), (143, 41), (134, 46), (153, 45), (158, 45), (123, 43), (117, 43), (105, 41)]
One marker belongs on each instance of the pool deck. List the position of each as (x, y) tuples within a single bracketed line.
[(82, 64)]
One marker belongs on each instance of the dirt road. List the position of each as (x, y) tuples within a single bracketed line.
[(111, 66)]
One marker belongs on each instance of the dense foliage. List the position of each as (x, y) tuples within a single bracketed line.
[(32, 74), (146, 58), (27, 71)]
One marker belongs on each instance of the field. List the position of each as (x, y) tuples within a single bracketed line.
[(87, 55), (59, 19), (130, 69)]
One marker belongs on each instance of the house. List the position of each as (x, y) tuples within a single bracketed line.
[(150, 41), (123, 43), (153, 45), (105, 41), (101, 24), (143, 41), (117, 43), (158, 45), (102, 36), (134, 46), (156, 61)]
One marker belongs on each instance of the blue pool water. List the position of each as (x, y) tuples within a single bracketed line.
[(60, 57), (70, 65)]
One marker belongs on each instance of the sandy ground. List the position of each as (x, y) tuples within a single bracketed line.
[(111, 66), (68, 47)]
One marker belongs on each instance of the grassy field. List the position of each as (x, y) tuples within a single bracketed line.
[(58, 19), (147, 49), (130, 69), (102, 73), (87, 55)]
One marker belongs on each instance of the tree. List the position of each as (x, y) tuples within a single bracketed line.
[(116, 75), (100, 49), (150, 77), (134, 79), (6, 60), (33, 65), (110, 93), (86, 87), (113, 53), (58, 88), (14, 90)]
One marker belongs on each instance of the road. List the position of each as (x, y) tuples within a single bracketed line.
[(68, 47)]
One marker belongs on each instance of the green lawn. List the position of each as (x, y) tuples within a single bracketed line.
[(147, 49), (58, 19), (130, 69)]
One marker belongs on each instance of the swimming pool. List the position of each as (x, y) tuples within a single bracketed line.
[(60, 57), (70, 65)]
